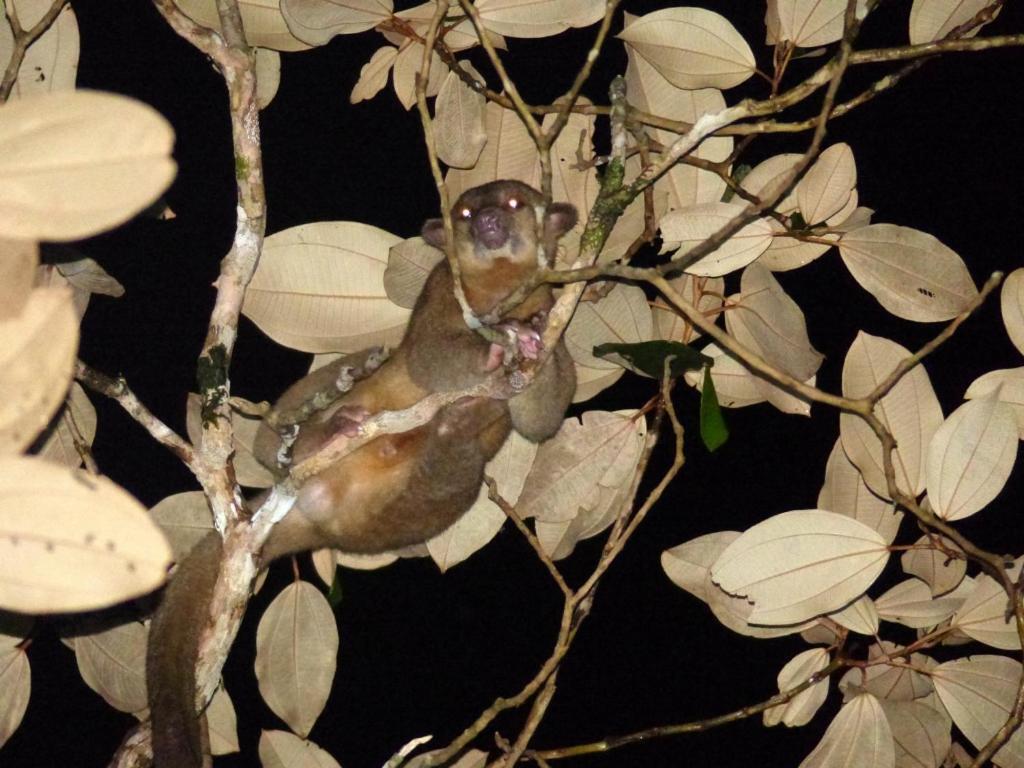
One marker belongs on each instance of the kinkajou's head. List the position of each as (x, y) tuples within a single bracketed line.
[(501, 220)]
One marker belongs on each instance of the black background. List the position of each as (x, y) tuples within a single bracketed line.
[(423, 653)]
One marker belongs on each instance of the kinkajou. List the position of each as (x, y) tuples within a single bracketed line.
[(398, 489)]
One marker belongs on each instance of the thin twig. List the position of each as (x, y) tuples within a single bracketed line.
[(510, 512), (907, 364), (119, 391), (696, 726)]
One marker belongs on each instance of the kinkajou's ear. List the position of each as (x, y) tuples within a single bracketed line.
[(433, 232), (561, 217)]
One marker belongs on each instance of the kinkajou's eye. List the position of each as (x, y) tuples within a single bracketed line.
[(512, 203), (466, 213)]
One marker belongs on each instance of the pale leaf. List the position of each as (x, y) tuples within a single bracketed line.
[(844, 492), (858, 737), (590, 382), (538, 18), (801, 564), (51, 62), (766, 175), (689, 567), (264, 25), (484, 519), (248, 470), (910, 411), (648, 90), (319, 288), (911, 273), (773, 27), (508, 154), (468, 534), (985, 615), (735, 386), (60, 445), (861, 217), (113, 663), (72, 542), (827, 186), (970, 457), (894, 680), (458, 37), (691, 47), (705, 294), (296, 655), (325, 562), (860, 616), (911, 603), (374, 74), (317, 21), (801, 708), (623, 317), (220, 716), (820, 633), (979, 692), (598, 511), (1008, 386), (407, 67), (632, 222), (573, 180), (934, 19), (769, 322), (75, 163), (920, 734), (365, 562), (18, 262), (1011, 302), (687, 564), (569, 469), (933, 564), (734, 612), (268, 76), (185, 518), (787, 253), (90, 276), (15, 688), (48, 276), (459, 121), (409, 264), (280, 749), (37, 356), (810, 23), (686, 228)]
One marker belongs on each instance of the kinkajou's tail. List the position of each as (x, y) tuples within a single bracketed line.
[(180, 737)]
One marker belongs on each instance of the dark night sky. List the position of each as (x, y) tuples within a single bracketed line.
[(424, 653)]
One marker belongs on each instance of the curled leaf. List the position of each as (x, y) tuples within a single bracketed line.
[(798, 565)]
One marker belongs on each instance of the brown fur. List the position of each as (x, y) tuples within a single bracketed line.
[(398, 489)]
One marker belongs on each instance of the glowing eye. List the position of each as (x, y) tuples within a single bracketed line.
[(513, 203), (466, 213)]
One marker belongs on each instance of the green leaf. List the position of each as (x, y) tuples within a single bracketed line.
[(713, 430), (650, 357), (334, 593), (738, 174)]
